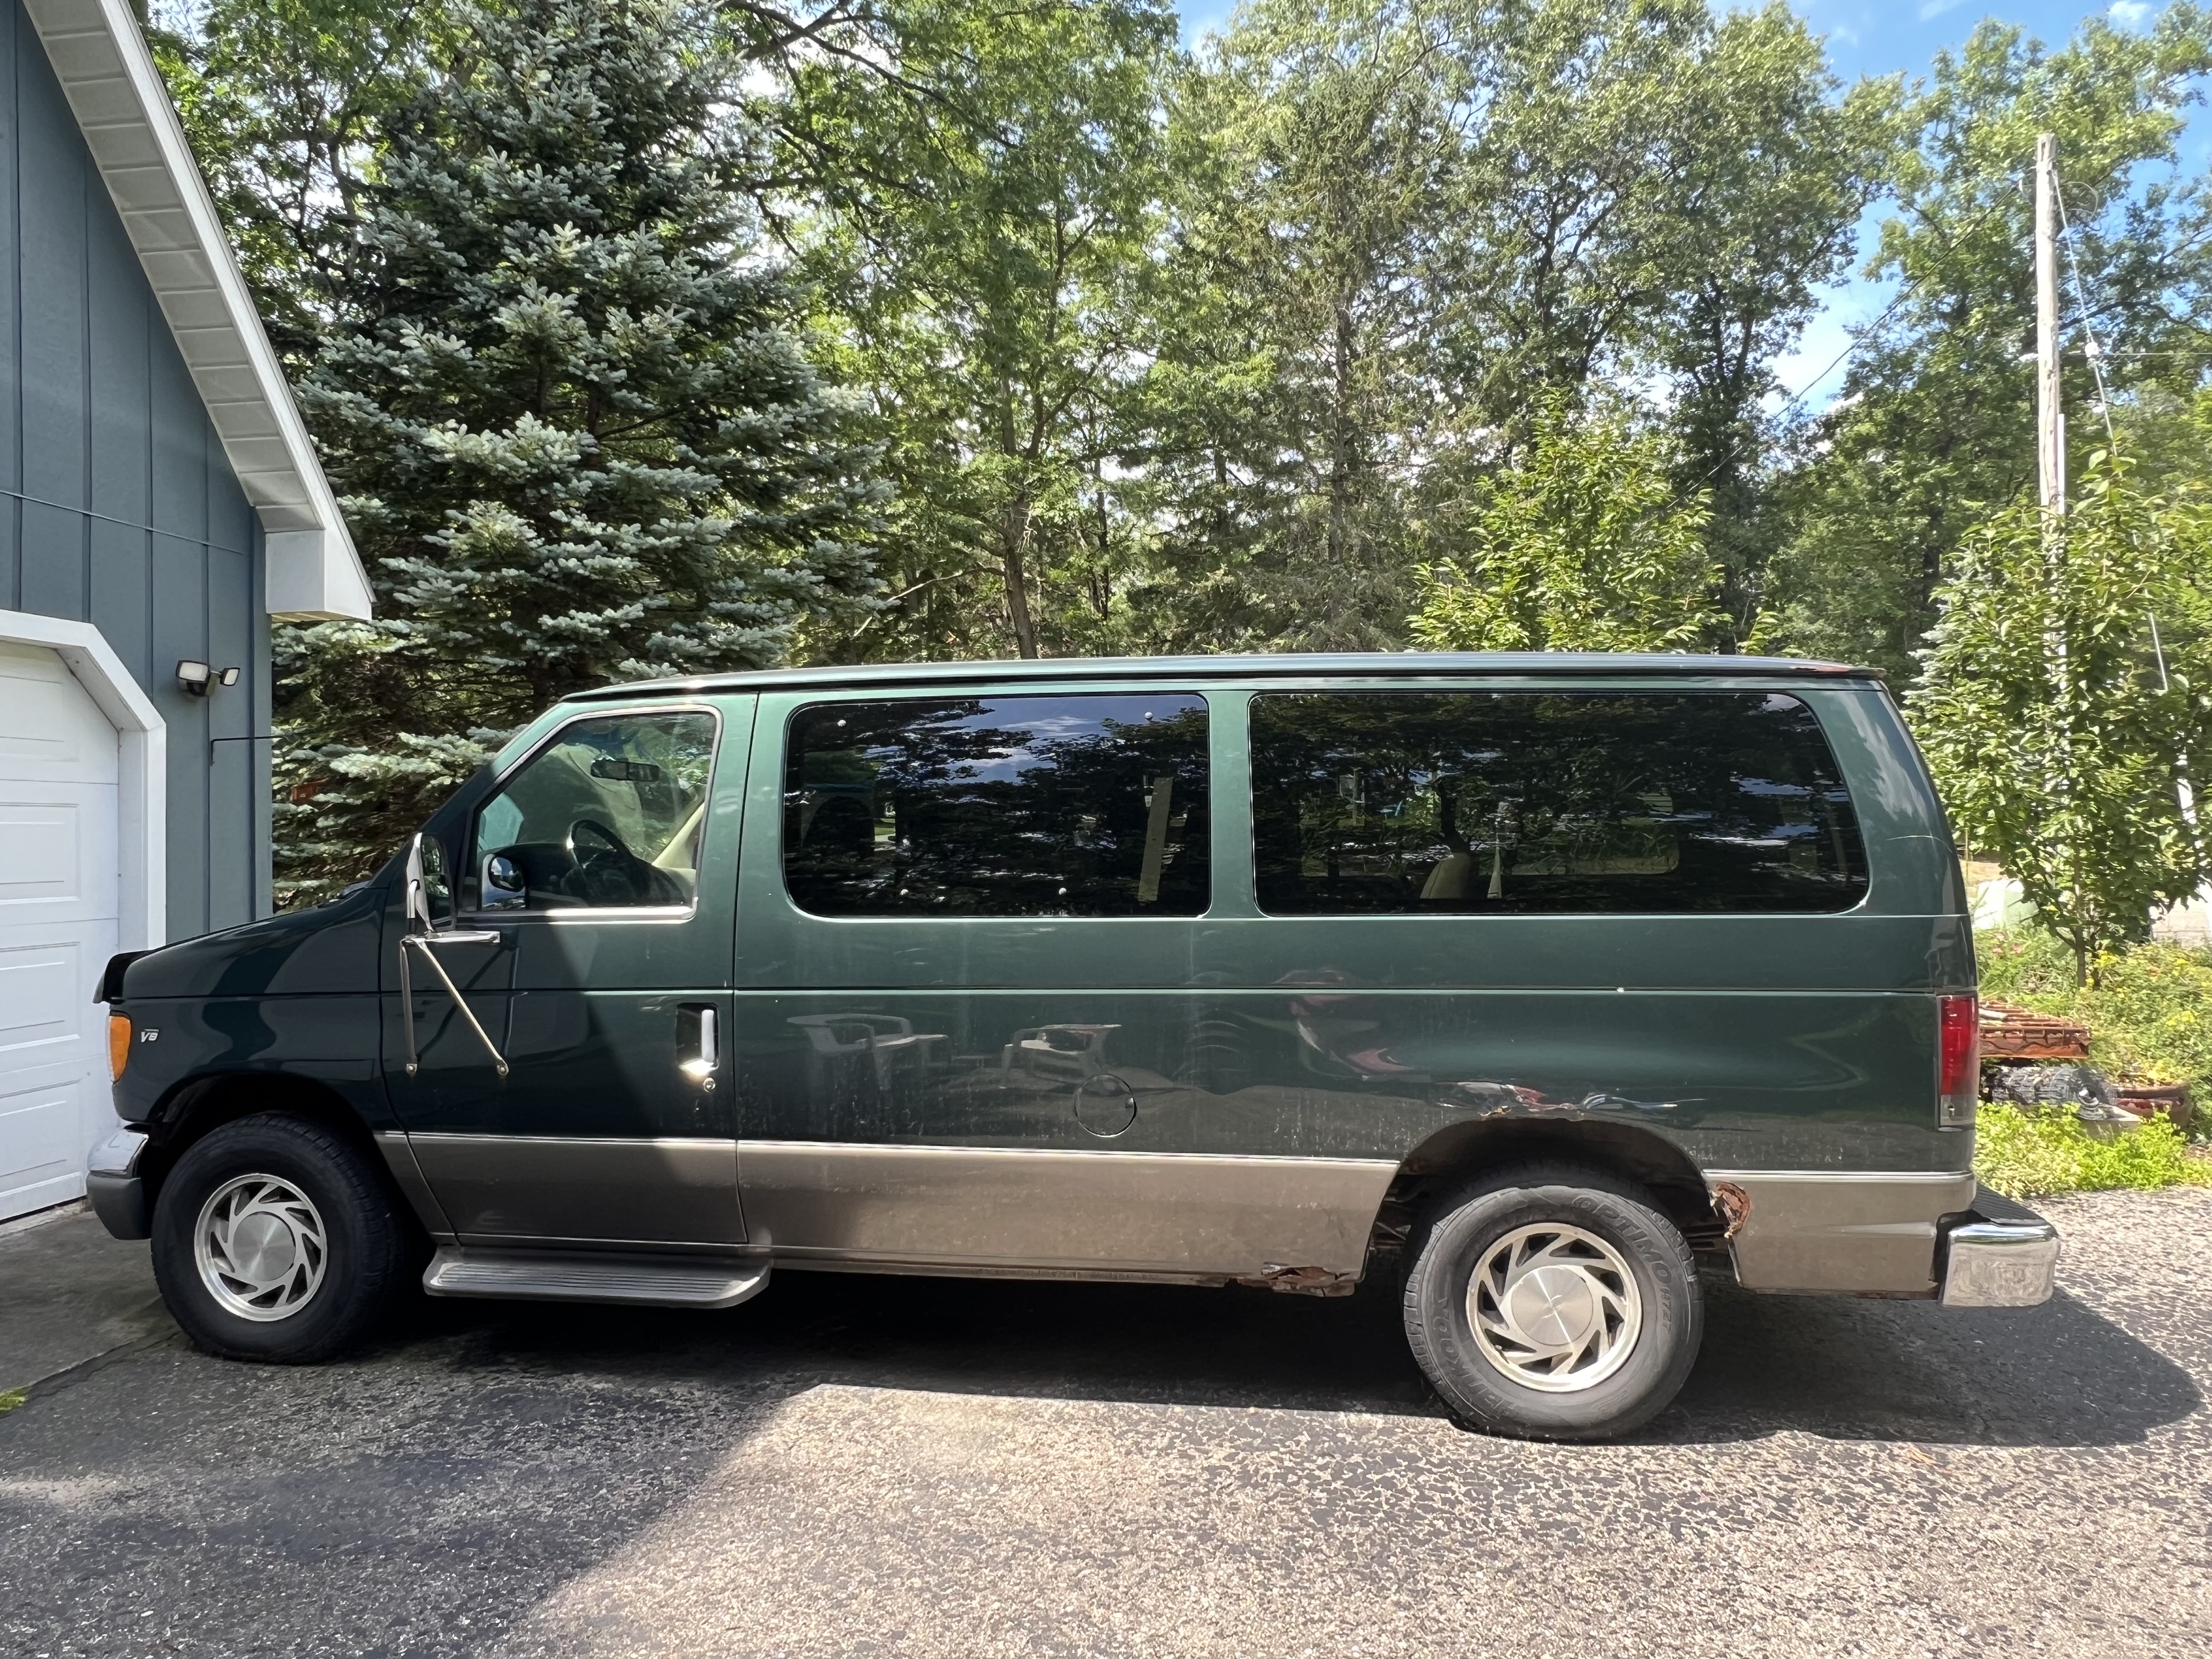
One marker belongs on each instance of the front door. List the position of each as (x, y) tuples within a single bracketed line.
[(591, 940)]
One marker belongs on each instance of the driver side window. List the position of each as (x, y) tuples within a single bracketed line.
[(610, 814)]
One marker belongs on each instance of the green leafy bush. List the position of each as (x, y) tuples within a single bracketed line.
[(2149, 1014), (2023, 1154)]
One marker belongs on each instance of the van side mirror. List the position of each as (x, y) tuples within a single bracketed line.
[(503, 886), (428, 900)]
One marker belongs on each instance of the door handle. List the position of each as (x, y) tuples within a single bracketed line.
[(698, 1042)]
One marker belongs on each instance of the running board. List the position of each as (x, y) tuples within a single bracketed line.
[(632, 1281)]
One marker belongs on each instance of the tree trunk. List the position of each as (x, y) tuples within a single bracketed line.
[(1340, 454), (1013, 532)]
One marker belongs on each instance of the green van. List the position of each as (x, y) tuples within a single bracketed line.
[(1526, 984)]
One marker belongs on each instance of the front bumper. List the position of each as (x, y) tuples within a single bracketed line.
[(1999, 1255), (116, 1188)]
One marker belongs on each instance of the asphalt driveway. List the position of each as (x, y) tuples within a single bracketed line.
[(880, 1466)]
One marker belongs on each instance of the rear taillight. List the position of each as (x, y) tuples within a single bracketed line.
[(1959, 1060)]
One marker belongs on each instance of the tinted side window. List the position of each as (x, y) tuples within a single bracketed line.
[(609, 814), (1391, 802), (998, 806)]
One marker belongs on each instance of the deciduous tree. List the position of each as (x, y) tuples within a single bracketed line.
[(2055, 733)]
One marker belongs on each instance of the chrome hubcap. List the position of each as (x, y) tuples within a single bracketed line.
[(261, 1247), (1554, 1308)]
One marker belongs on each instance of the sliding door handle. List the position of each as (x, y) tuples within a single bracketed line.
[(698, 1044)]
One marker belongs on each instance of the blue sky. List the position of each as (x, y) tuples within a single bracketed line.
[(1870, 37)]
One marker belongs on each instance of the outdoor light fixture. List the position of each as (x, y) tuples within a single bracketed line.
[(197, 678)]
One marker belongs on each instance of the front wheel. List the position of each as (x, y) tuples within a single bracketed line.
[(275, 1239), (1554, 1302)]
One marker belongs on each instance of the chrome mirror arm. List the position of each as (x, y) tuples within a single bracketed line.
[(425, 943)]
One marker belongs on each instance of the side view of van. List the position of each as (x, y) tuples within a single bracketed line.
[(1521, 987)]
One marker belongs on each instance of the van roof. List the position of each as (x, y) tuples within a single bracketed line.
[(1366, 664)]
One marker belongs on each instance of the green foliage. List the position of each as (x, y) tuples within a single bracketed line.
[(1212, 353), (2052, 733), (1399, 227), (1583, 548), (2023, 1154), (1935, 427), (2149, 1012), (1264, 346), (986, 249), (285, 102), (562, 397)]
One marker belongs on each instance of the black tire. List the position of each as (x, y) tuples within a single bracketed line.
[(1466, 1225), (363, 1258)]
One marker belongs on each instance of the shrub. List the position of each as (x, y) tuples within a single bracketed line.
[(2022, 1154), (2150, 1015)]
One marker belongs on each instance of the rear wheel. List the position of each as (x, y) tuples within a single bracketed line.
[(275, 1239), (1554, 1302)]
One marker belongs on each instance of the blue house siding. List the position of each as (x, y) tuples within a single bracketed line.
[(118, 506)]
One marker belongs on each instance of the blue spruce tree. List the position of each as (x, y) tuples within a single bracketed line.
[(560, 389)]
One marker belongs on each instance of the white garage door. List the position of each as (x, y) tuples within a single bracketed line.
[(59, 859)]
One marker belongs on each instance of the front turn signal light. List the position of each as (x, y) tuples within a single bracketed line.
[(118, 1045)]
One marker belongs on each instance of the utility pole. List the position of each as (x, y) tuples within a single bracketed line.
[(2049, 418)]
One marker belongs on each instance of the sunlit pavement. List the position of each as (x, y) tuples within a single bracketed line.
[(883, 1466)]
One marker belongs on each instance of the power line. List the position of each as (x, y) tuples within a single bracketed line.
[(2096, 352)]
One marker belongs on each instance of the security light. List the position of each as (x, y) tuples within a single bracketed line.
[(197, 678)]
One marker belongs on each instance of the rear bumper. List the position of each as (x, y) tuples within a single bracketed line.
[(1999, 1255), (1837, 1232), (1935, 1235), (117, 1190)]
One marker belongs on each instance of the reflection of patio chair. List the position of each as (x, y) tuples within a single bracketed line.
[(886, 1041), (1060, 1053)]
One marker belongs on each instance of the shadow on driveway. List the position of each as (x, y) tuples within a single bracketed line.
[(2060, 1375)]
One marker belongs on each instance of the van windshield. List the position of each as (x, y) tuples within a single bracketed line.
[(1372, 803)]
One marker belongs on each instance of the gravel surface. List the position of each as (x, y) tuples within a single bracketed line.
[(876, 1465)]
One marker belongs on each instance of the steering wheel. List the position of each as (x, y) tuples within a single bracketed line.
[(610, 874)]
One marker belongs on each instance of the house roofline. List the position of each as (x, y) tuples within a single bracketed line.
[(123, 108)]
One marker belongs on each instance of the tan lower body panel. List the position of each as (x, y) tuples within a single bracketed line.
[(399, 1159), (558, 1190), (1076, 1214), (1856, 1234)]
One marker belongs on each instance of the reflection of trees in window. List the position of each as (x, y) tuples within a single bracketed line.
[(1061, 805), (1388, 802)]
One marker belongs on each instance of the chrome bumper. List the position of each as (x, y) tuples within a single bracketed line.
[(1999, 1255), (117, 1190)]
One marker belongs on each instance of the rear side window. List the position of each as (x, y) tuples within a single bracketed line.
[(1504, 803), (998, 806)]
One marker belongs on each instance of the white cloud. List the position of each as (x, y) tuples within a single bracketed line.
[(1938, 8), (2130, 14)]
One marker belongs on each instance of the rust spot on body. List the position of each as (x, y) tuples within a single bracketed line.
[(1733, 1205), (1299, 1281)]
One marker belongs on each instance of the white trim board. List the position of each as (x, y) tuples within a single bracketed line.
[(123, 108), (142, 739)]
